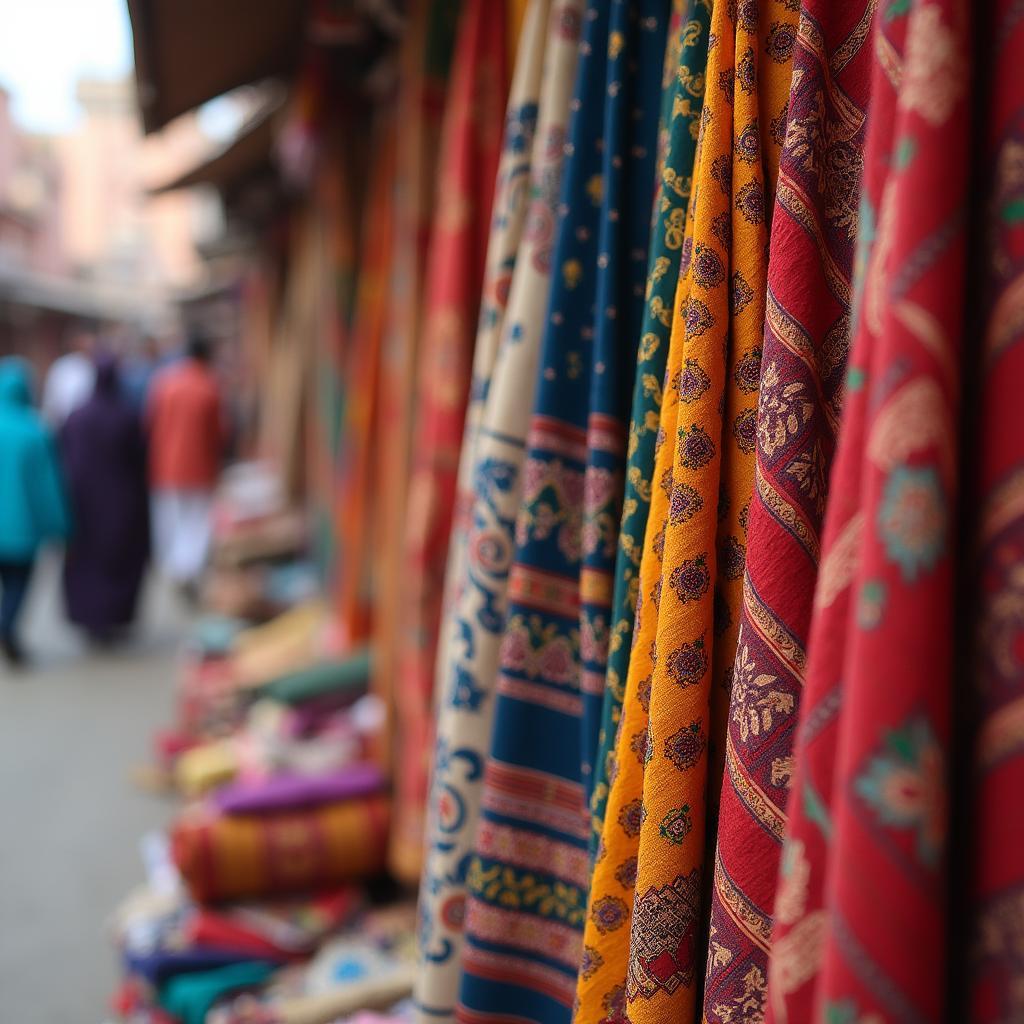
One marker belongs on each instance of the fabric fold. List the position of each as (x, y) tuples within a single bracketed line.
[(860, 924), (806, 340)]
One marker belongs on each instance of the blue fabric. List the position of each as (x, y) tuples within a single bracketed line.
[(528, 877), (33, 506), (631, 131)]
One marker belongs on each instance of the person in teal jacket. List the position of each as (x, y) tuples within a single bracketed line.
[(33, 507)]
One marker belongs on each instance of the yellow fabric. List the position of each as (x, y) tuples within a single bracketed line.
[(664, 797), (285, 644), (203, 768), (600, 985)]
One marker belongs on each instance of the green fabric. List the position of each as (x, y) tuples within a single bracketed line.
[(349, 675), (189, 997), (683, 116), (33, 508)]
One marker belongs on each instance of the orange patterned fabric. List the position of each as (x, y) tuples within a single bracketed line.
[(232, 856), (664, 797)]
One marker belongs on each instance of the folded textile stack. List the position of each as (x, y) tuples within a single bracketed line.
[(257, 569), (306, 958), (265, 890)]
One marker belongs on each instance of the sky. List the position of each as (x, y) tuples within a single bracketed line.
[(47, 45)]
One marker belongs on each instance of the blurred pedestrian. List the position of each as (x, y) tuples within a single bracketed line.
[(33, 507), (104, 455), (70, 379), (139, 368), (188, 435)]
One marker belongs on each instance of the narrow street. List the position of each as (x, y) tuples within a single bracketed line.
[(72, 731)]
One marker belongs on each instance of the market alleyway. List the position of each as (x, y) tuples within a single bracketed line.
[(72, 731)]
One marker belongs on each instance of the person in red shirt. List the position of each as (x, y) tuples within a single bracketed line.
[(187, 428)]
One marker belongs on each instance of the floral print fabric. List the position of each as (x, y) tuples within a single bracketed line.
[(684, 96), (648, 876), (507, 348), (471, 145), (868, 797), (806, 341), (528, 875)]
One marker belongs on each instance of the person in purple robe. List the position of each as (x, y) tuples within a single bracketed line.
[(104, 454)]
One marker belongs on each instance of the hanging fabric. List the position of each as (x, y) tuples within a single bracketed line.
[(528, 876), (681, 106), (629, 183), (994, 836), (508, 340), (425, 66), (860, 909), (658, 820), (806, 341), (357, 484), (606, 948), (470, 149)]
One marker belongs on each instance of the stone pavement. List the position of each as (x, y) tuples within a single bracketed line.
[(72, 730)]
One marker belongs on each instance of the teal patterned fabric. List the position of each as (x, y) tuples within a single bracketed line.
[(687, 100)]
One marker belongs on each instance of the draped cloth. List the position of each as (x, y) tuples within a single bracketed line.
[(357, 483), (424, 68), (806, 341), (860, 909), (681, 106), (631, 129), (996, 840), (718, 332), (470, 149), (528, 875), (646, 902), (507, 344)]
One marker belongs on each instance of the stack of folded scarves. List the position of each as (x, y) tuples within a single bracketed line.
[(274, 752)]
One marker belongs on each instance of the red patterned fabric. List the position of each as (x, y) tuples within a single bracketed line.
[(997, 827), (860, 916), (230, 857), (807, 328), (468, 166)]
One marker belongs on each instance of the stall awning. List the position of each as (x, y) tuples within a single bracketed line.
[(243, 156), (191, 51)]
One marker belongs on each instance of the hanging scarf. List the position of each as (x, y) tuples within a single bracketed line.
[(514, 295), (997, 975), (470, 151), (805, 346), (859, 930), (686, 619), (424, 70), (355, 512), (684, 96), (529, 873), (630, 127)]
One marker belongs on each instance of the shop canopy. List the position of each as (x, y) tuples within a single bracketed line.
[(245, 155), (191, 51)]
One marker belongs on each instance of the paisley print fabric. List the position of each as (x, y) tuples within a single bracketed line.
[(508, 344), (684, 95), (528, 876), (699, 589), (996, 843), (649, 863), (859, 926), (806, 341), (470, 149)]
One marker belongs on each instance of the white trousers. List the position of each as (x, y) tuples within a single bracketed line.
[(182, 529)]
